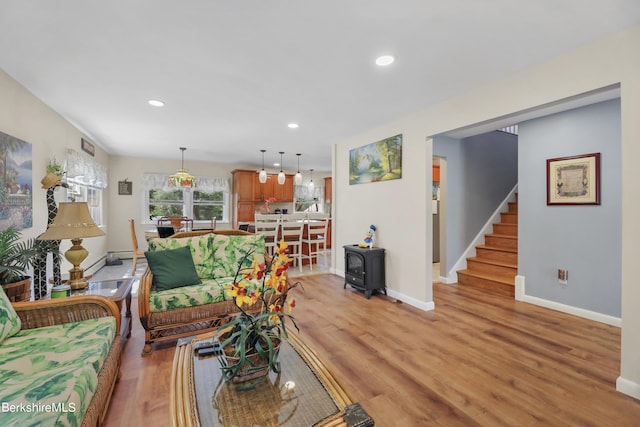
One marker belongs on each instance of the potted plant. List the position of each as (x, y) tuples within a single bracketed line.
[(54, 167), (251, 340), (16, 257)]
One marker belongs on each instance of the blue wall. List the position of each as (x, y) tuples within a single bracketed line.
[(481, 170), (586, 240)]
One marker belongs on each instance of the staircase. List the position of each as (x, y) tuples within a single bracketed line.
[(496, 262)]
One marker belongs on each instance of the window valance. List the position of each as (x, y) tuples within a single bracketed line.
[(85, 170), (151, 181)]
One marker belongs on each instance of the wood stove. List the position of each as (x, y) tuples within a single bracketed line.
[(364, 269)]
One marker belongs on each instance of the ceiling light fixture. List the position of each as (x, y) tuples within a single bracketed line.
[(262, 177), (384, 60), (182, 177), (156, 103), (293, 126), (281, 177), (311, 182), (298, 178)]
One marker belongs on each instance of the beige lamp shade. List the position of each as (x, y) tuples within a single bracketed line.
[(72, 222)]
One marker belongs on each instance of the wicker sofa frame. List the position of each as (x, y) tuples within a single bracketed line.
[(37, 314), (183, 322)]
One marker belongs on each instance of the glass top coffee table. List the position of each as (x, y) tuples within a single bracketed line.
[(303, 394)]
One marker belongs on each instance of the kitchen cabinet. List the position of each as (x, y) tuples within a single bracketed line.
[(327, 190), (249, 193), (271, 188)]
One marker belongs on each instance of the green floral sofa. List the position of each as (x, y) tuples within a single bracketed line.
[(181, 296), (59, 361)]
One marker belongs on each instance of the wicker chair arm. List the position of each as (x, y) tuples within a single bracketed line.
[(144, 292), (37, 314)]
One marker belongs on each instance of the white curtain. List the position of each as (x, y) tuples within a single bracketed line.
[(154, 181), (85, 170)]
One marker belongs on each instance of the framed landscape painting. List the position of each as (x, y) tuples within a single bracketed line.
[(15, 183), (378, 161), (574, 180)]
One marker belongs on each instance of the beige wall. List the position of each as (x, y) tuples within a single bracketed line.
[(26, 117), (399, 208)]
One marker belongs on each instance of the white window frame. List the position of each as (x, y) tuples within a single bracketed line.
[(156, 182)]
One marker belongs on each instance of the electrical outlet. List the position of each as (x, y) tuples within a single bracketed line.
[(563, 276)]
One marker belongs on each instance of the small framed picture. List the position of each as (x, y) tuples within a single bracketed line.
[(87, 147), (125, 188), (574, 180)]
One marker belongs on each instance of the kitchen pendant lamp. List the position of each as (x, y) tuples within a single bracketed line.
[(311, 181), (281, 177), (262, 177), (297, 179), (182, 177)]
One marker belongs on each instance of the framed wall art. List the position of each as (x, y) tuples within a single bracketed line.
[(378, 161), (574, 180), (87, 147), (125, 188)]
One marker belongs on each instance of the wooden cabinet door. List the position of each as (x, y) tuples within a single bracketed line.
[(327, 190), (245, 211), (243, 185), (284, 192), (261, 191)]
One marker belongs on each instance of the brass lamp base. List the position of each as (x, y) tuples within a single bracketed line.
[(76, 279), (75, 255)]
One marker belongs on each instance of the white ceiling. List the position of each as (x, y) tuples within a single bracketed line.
[(233, 74)]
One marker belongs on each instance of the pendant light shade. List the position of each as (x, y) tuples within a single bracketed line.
[(182, 179), (262, 177), (298, 178), (281, 177), (311, 181)]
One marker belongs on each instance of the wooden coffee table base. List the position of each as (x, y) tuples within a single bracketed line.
[(202, 383)]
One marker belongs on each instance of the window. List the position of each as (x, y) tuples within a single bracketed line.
[(208, 199), (207, 205), (166, 203), (81, 192), (87, 179)]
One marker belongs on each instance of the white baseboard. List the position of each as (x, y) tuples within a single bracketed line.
[(422, 305), (628, 387), (580, 312)]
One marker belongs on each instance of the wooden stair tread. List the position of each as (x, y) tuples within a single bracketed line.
[(497, 249), (502, 236), (500, 278), (493, 262)]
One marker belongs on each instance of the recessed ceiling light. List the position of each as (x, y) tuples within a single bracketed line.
[(293, 126), (156, 103), (385, 60), (276, 164)]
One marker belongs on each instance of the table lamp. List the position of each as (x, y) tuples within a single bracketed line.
[(74, 222)]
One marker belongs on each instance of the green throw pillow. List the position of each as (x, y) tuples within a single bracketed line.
[(172, 268), (9, 320)]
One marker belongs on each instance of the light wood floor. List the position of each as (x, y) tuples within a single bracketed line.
[(478, 359)]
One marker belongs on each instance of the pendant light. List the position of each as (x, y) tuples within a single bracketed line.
[(281, 177), (311, 181), (182, 178), (298, 178), (262, 177)]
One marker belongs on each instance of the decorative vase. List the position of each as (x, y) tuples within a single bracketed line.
[(258, 368)]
